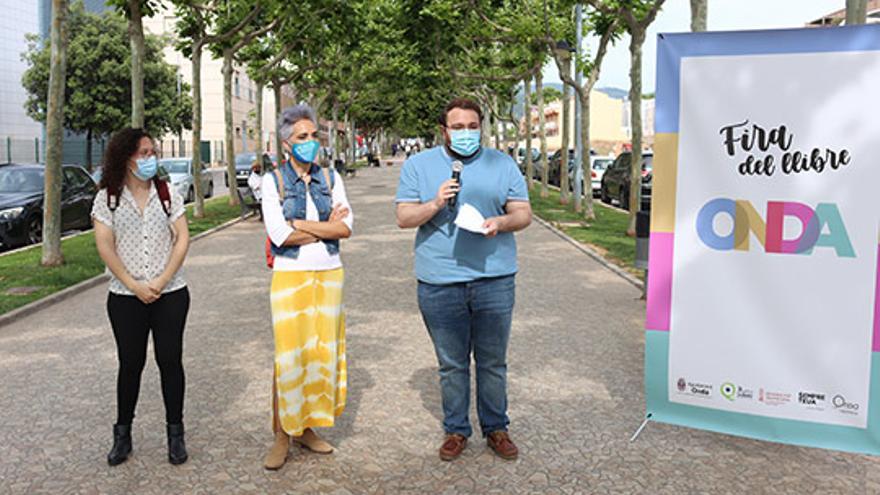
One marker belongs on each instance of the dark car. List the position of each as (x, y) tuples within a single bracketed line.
[(21, 202), (615, 182), (555, 159), (521, 158), (243, 162)]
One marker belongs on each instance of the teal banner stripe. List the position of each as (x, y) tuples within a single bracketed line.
[(845, 438)]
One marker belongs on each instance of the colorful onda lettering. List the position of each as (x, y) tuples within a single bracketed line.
[(770, 232)]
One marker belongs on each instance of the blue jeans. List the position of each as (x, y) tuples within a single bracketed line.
[(471, 317)]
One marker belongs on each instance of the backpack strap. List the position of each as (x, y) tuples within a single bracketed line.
[(112, 200), (279, 183), (164, 195), (330, 177)]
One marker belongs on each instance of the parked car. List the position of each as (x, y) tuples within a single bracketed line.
[(615, 182), (598, 165), (180, 176), (243, 162), (555, 158), (21, 202), (521, 158)]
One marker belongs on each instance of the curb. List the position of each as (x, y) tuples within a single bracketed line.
[(51, 299), (592, 253), (595, 202)]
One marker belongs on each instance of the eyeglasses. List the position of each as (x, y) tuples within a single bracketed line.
[(459, 127)]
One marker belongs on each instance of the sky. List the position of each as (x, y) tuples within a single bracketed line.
[(723, 15)]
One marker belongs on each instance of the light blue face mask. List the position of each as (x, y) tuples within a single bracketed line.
[(146, 168), (465, 142), (305, 152)]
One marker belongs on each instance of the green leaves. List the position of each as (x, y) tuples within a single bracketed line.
[(98, 88)]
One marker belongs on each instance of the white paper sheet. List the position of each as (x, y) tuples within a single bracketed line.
[(469, 218)]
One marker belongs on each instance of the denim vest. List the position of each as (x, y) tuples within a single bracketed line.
[(293, 203)]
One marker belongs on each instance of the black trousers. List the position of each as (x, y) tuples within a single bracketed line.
[(132, 322)]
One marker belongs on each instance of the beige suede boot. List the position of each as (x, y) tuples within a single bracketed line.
[(277, 455), (310, 440)]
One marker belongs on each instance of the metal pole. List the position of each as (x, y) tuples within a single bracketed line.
[(579, 143)]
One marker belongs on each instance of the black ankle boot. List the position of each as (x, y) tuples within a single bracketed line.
[(121, 445), (176, 446)]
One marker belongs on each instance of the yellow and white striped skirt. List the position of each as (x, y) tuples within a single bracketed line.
[(310, 373)]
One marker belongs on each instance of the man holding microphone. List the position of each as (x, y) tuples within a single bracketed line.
[(466, 280)]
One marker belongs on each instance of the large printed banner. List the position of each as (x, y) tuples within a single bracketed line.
[(763, 317)]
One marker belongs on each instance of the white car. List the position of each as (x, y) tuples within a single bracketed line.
[(180, 176), (598, 164)]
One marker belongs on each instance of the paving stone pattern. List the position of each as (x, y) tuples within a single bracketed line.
[(575, 370)]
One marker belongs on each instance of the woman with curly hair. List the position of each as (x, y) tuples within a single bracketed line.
[(142, 236)]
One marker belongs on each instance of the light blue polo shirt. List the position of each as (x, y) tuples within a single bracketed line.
[(446, 254)]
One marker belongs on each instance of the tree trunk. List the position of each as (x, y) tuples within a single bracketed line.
[(563, 164), (259, 124), (512, 116), (527, 111), (542, 133), (352, 139), (856, 12), (496, 123), (89, 150), (486, 131), (334, 141), (586, 169), (52, 255), (279, 150), (698, 15), (199, 208), (136, 37), (229, 138), (637, 38)]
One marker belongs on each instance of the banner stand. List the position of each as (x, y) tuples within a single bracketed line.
[(642, 427)]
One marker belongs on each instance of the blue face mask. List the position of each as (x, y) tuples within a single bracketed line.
[(146, 168), (305, 152), (465, 142)]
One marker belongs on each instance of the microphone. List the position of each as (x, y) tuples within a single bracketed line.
[(457, 167)]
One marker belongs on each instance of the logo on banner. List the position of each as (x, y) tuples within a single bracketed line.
[(769, 232), (840, 403), (728, 391), (773, 398), (732, 392), (695, 389), (763, 149), (812, 400)]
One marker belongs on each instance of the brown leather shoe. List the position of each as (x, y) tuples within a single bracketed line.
[(453, 446), (500, 442)]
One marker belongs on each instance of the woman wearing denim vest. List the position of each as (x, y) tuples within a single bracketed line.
[(304, 223)]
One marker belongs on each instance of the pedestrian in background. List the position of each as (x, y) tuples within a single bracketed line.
[(142, 236)]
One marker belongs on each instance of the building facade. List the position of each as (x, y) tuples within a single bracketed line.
[(610, 130)]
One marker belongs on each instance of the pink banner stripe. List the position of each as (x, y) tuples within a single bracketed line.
[(875, 343), (660, 281)]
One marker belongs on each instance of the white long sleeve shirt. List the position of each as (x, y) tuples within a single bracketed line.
[(312, 257)]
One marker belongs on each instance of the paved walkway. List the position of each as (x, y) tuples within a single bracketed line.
[(575, 389)]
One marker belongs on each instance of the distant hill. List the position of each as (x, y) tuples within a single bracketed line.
[(616, 93)]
